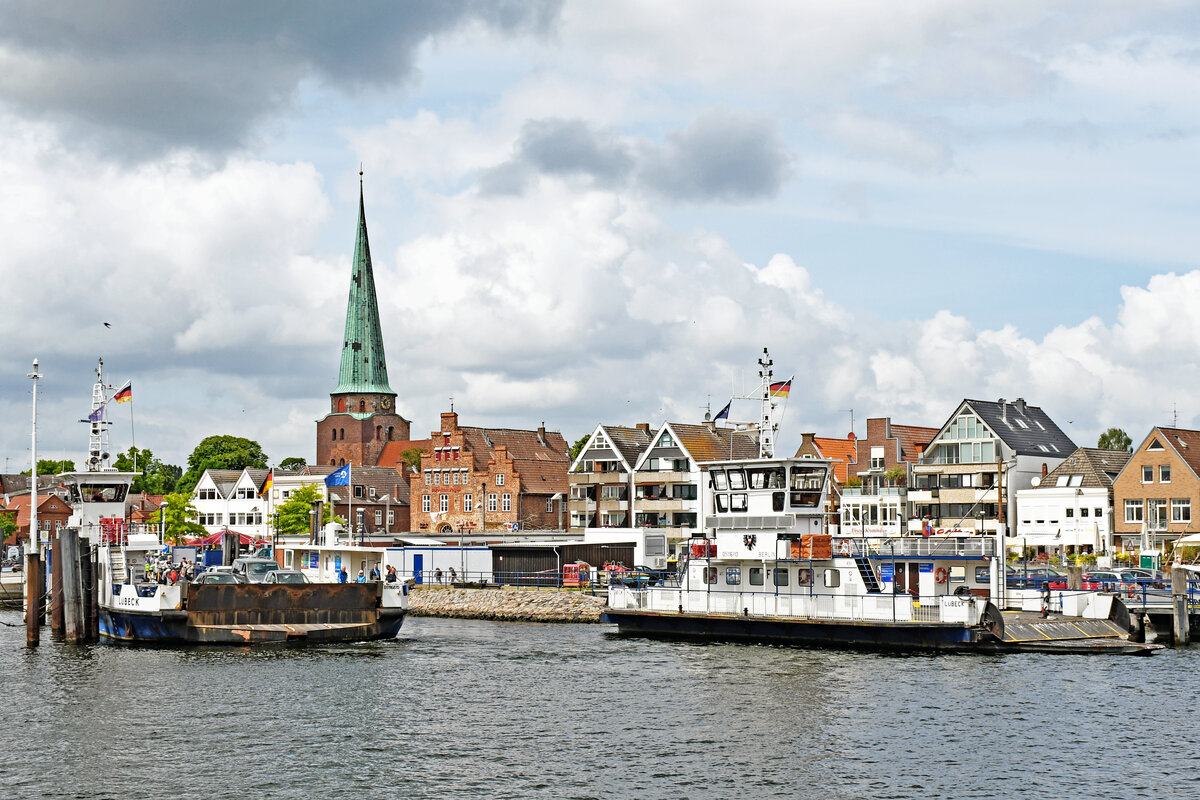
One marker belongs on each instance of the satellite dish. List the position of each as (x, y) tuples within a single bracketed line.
[(1036, 481)]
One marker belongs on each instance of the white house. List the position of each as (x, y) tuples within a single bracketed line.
[(1072, 507)]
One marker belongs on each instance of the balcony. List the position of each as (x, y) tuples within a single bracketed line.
[(664, 504), (576, 478), (922, 495)]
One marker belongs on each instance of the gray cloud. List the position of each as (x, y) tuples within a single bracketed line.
[(154, 76), (721, 156)]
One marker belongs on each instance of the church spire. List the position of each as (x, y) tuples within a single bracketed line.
[(364, 366)]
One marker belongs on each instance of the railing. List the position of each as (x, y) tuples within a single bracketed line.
[(923, 546)]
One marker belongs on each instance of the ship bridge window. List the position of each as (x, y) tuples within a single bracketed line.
[(806, 486), (719, 482), (737, 502), (756, 576), (722, 503), (833, 578), (766, 478), (102, 493), (733, 576), (737, 479)]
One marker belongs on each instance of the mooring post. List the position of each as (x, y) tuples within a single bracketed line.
[(55, 588), (91, 610), (1179, 606), (72, 607), (33, 599)]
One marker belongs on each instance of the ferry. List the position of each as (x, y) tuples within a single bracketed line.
[(767, 567), (132, 609)]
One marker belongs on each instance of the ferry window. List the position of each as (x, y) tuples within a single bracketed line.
[(718, 480), (781, 577), (710, 574), (777, 501), (756, 576), (958, 574), (733, 576), (102, 493), (983, 574), (806, 486), (737, 479), (833, 578), (768, 478), (722, 501), (737, 502)]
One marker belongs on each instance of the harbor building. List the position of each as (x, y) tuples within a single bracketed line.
[(362, 416), (475, 479), (1071, 509), (967, 479), (1156, 491), (883, 465)]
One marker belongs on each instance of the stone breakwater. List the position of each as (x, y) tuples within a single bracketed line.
[(510, 605)]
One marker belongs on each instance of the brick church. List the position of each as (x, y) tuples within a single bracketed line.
[(362, 416)]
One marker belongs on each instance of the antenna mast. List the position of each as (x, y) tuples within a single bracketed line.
[(98, 433), (766, 433)]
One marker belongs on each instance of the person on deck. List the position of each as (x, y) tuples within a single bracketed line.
[(361, 577), (343, 575)]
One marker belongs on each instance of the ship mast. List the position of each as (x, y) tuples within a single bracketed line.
[(767, 425), (97, 460)]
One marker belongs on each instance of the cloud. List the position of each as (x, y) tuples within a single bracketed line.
[(722, 156), (144, 78)]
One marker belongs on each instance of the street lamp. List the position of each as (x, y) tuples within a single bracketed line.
[(162, 525)]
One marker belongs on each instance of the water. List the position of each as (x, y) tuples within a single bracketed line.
[(469, 709)]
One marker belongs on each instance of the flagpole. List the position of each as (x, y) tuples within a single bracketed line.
[(350, 499), (132, 438)]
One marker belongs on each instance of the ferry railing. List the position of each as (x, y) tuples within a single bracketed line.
[(918, 546), (591, 581)]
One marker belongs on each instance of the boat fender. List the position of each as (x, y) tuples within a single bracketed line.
[(940, 574)]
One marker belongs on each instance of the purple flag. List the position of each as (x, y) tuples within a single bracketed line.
[(96, 415)]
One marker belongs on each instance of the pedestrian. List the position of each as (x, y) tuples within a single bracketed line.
[(1045, 599), (374, 572), (392, 577), (437, 575), (453, 576), (342, 575), (361, 577)]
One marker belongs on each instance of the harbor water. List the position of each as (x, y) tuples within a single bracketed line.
[(474, 709)]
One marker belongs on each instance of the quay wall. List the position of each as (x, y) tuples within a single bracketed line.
[(510, 605)]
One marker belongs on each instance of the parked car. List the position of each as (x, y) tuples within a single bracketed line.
[(1105, 580), (210, 578), (637, 577), (285, 576), (1035, 578), (253, 570)]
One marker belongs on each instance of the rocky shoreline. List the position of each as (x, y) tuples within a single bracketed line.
[(509, 605)]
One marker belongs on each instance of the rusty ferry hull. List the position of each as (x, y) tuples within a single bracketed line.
[(259, 614)]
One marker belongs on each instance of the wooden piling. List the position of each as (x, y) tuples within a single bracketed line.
[(55, 592), (91, 609), (1181, 621), (33, 599), (72, 601)]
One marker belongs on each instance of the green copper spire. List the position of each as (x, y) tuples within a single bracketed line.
[(364, 366)]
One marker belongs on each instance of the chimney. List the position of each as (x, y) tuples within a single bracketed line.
[(1044, 470), (644, 427), (542, 434), (1019, 405), (1003, 410), (449, 422)]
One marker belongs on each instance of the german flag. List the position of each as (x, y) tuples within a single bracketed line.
[(267, 484), (781, 389), (125, 394)]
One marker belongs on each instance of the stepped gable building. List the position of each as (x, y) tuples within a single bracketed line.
[(879, 506), (474, 479), (362, 416)]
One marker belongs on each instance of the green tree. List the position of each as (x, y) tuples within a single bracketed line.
[(8, 525), (221, 452), (1115, 439), (578, 446), (48, 467), (293, 513), (895, 475), (179, 514), (293, 464), (154, 477), (412, 457)]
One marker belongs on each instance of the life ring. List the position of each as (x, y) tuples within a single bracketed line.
[(844, 547), (804, 577), (1131, 591), (940, 575)]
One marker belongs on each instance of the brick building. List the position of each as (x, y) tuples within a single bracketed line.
[(475, 479), (52, 515), (362, 416), (1157, 490), (879, 506)]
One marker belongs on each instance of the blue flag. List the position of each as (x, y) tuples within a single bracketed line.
[(339, 477), (724, 412), (96, 415)]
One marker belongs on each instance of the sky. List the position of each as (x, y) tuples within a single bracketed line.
[(587, 213)]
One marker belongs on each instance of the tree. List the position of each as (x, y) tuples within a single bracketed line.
[(48, 467), (412, 457), (896, 474), (578, 446), (293, 464), (155, 477), (293, 513), (8, 525), (1115, 439), (221, 452), (179, 514)]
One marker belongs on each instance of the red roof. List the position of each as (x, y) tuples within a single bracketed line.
[(841, 451)]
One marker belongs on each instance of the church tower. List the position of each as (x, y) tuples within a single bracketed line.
[(362, 414)]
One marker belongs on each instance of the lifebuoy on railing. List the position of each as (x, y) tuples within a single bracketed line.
[(804, 576), (940, 574), (844, 547), (1132, 591)]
